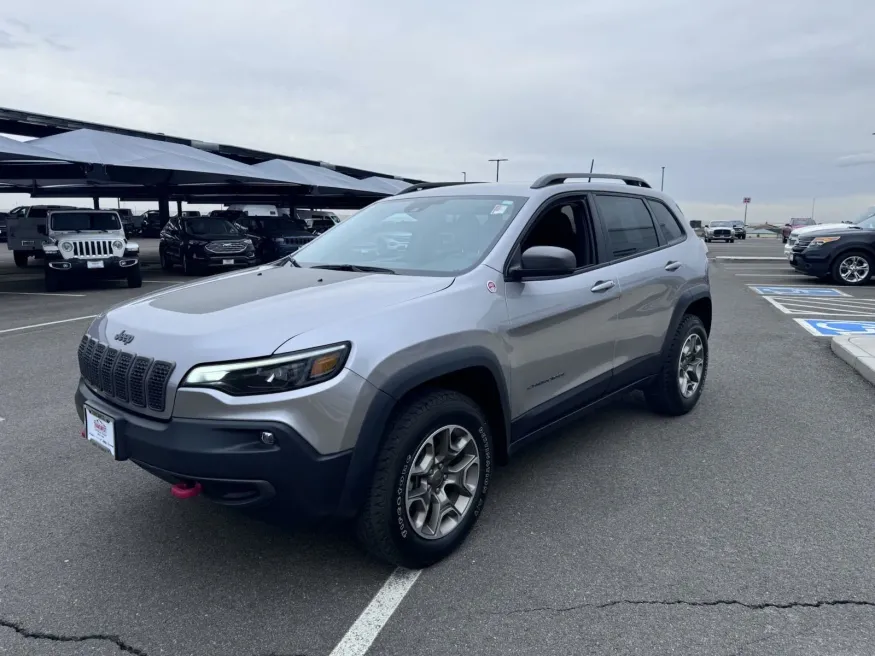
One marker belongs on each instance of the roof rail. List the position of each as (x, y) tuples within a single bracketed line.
[(421, 186), (559, 178)]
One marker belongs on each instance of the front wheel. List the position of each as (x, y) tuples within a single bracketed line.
[(852, 269), (135, 278), (20, 259), (731, 241), (679, 384), (431, 479)]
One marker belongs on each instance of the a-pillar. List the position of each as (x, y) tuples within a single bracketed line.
[(96, 203)]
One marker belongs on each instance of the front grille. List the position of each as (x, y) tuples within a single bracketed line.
[(225, 247), (721, 232), (298, 241), (125, 377), (91, 248)]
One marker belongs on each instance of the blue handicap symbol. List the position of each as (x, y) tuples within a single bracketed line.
[(836, 328), (798, 291)]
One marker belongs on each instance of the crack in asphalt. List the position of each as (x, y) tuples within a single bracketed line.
[(116, 640), (821, 603), (42, 635)]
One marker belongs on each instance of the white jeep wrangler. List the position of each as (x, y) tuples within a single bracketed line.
[(88, 244)]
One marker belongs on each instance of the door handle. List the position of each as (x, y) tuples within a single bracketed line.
[(602, 286), (672, 266)]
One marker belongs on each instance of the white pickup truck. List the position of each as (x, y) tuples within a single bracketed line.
[(81, 244)]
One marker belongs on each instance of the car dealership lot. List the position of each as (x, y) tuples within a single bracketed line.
[(744, 527)]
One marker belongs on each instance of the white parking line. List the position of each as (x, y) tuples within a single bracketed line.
[(826, 306), (749, 257), (48, 323), (39, 294), (367, 627), (771, 275)]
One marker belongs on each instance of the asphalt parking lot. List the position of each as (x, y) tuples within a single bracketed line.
[(742, 528)]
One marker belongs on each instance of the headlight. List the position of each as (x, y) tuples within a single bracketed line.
[(281, 373), (196, 242), (280, 240), (67, 246), (116, 245), (248, 242), (820, 241)]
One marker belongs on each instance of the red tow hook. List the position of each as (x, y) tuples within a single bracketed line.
[(185, 490)]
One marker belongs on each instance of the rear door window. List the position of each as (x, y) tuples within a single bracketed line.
[(629, 225), (668, 223)]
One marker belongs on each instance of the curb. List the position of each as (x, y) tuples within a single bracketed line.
[(861, 359)]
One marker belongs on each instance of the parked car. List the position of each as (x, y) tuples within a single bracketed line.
[(201, 243), (844, 255), (385, 386), (3, 226), (275, 237), (88, 244), (150, 224), (792, 225), (318, 221), (128, 222), (739, 230), (27, 231), (804, 230), (720, 230)]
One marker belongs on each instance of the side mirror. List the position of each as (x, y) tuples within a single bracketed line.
[(543, 262)]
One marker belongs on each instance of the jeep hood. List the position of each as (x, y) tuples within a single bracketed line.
[(252, 313)]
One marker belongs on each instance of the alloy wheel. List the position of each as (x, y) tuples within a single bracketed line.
[(443, 479), (691, 365), (854, 269)]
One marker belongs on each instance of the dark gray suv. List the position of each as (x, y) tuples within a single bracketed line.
[(382, 380)]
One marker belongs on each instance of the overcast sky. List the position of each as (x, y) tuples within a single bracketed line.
[(773, 100)]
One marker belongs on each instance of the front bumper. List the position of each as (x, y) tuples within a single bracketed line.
[(211, 260), (812, 264), (229, 459), (111, 268)]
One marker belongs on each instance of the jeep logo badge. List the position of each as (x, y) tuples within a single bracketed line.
[(124, 337)]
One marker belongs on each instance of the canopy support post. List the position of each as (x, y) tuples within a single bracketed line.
[(96, 200), (163, 206), (179, 208)]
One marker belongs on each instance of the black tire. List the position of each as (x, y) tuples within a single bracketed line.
[(383, 526), (707, 240), (836, 265), (52, 281), (188, 266), (166, 264), (731, 241), (20, 259), (783, 240), (135, 278), (664, 395)]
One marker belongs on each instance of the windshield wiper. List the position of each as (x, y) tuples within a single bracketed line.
[(357, 268)]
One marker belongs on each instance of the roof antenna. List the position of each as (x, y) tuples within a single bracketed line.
[(591, 165)]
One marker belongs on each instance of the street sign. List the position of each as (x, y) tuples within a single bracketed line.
[(822, 328), (797, 291), (746, 200)]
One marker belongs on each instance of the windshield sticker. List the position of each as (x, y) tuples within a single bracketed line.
[(499, 209)]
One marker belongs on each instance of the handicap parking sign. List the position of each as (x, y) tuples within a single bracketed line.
[(797, 291), (823, 328)]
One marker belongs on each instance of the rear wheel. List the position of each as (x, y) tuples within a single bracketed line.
[(852, 269), (20, 259), (679, 384), (431, 479)]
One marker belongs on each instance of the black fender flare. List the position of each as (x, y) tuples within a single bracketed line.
[(688, 297), (372, 431)]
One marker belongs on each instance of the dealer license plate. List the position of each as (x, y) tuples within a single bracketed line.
[(227, 262), (95, 265), (100, 430)]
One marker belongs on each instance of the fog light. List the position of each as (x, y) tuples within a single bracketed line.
[(268, 438)]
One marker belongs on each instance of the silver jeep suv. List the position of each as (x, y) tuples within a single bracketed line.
[(383, 379)]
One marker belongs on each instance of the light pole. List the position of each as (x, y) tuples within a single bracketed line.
[(498, 162), (813, 200), (464, 176), (662, 181)]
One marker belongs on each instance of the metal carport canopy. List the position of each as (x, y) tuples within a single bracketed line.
[(315, 176), (12, 150), (121, 158)]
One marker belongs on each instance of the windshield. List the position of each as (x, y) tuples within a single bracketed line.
[(209, 226), (721, 224), (868, 223), (802, 222), (284, 224), (436, 235), (84, 221)]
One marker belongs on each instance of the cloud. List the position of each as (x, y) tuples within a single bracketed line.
[(8, 41), (734, 97), (856, 160)]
